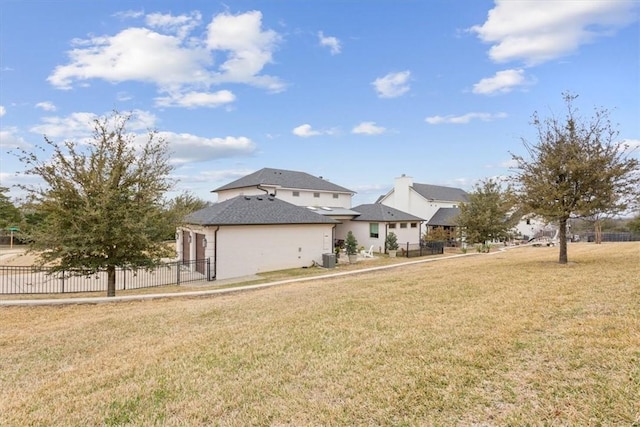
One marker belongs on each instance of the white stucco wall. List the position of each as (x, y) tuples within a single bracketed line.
[(406, 199), (360, 230), (247, 250), (305, 197), (531, 228)]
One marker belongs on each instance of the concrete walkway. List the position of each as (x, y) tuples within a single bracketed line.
[(211, 292)]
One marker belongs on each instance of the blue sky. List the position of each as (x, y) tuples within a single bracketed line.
[(358, 92)]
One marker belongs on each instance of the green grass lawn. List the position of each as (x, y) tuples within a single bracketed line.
[(511, 338)]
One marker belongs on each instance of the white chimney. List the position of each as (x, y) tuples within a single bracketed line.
[(401, 192)]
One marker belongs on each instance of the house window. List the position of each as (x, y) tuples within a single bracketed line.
[(414, 225), (336, 195), (403, 225), (392, 225), (316, 195), (373, 230), (296, 194)]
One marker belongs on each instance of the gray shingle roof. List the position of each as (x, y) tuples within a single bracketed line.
[(437, 192), (444, 216), (382, 213), (255, 210), (285, 179)]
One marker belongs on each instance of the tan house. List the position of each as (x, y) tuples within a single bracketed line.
[(246, 235)]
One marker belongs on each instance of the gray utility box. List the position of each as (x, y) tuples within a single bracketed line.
[(328, 260)]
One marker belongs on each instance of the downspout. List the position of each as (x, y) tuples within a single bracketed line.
[(386, 231), (266, 191), (215, 252)]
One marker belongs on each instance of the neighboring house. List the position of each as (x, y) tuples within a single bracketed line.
[(530, 227), (374, 221), (443, 223), (298, 188), (422, 200), (246, 235)]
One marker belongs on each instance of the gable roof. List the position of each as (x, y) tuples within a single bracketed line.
[(444, 216), (382, 213), (255, 210), (285, 179), (437, 192)]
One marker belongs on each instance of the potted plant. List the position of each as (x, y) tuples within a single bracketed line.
[(351, 246), (391, 243)]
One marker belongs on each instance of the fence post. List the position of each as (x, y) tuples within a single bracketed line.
[(407, 249), (178, 264), (208, 269), (62, 282)]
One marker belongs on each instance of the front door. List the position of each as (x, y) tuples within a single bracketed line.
[(200, 262)]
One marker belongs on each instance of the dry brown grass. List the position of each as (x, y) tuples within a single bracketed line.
[(506, 339)]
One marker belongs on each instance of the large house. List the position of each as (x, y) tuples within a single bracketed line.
[(246, 235), (425, 201), (277, 219)]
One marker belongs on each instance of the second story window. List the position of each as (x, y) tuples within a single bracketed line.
[(316, 195), (296, 194), (392, 225), (336, 195), (403, 225)]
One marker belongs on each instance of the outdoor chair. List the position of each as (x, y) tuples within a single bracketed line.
[(367, 254)]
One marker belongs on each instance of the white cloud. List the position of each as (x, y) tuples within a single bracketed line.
[(184, 147), (248, 48), (535, 31), (196, 99), (368, 128), (331, 42), (46, 106), (166, 53), (188, 148), (502, 82), (180, 25), (3, 110), (305, 131), (137, 54), (392, 85), (76, 125), (9, 139), (464, 119), (633, 144), (509, 164)]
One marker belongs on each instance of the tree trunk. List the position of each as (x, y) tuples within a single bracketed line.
[(598, 231), (562, 237), (111, 281)]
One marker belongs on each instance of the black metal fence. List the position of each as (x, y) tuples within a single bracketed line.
[(609, 236), (44, 280), (410, 250)]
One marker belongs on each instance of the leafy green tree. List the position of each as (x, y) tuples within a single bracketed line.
[(101, 204), (634, 225), (179, 207), (9, 214), (488, 215), (351, 244), (391, 241), (576, 168)]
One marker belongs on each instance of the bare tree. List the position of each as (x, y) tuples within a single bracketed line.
[(576, 168)]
